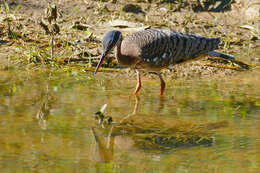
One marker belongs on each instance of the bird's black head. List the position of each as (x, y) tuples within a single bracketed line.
[(109, 41)]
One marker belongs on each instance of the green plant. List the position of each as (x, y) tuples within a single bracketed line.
[(7, 19)]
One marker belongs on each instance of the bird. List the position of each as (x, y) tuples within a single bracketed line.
[(155, 49)]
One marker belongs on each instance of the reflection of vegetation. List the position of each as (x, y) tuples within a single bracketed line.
[(7, 89), (44, 109)]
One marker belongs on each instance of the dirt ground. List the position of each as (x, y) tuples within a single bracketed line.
[(82, 24)]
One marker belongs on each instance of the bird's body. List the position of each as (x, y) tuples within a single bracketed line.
[(155, 49)]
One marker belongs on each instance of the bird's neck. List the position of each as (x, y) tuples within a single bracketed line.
[(118, 51), (123, 59)]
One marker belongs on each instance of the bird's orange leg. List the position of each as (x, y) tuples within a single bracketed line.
[(139, 83), (162, 84)]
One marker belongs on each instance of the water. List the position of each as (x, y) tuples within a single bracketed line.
[(46, 120)]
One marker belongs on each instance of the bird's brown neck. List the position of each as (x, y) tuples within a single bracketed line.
[(122, 59), (118, 51)]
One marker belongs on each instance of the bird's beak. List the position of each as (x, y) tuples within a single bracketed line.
[(100, 62)]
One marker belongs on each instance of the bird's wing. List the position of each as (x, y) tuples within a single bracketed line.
[(161, 48)]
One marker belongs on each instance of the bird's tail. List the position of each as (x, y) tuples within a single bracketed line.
[(221, 55)]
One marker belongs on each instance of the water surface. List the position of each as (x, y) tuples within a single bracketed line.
[(46, 120)]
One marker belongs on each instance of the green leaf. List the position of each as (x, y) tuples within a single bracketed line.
[(6, 6), (18, 7)]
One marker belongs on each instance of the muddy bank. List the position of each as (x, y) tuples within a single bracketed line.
[(83, 23)]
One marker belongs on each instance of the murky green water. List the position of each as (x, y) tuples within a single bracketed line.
[(46, 120)]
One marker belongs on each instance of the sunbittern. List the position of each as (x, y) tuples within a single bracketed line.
[(155, 49)]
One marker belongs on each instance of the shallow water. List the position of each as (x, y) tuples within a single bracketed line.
[(46, 120)]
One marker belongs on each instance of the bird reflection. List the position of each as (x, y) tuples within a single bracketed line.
[(103, 151), (106, 137), (136, 134), (104, 146)]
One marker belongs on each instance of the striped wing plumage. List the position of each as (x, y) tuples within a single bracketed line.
[(159, 48)]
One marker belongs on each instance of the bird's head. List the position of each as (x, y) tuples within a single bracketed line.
[(109, 41)]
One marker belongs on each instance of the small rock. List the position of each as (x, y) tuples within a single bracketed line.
[(131, 8)]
